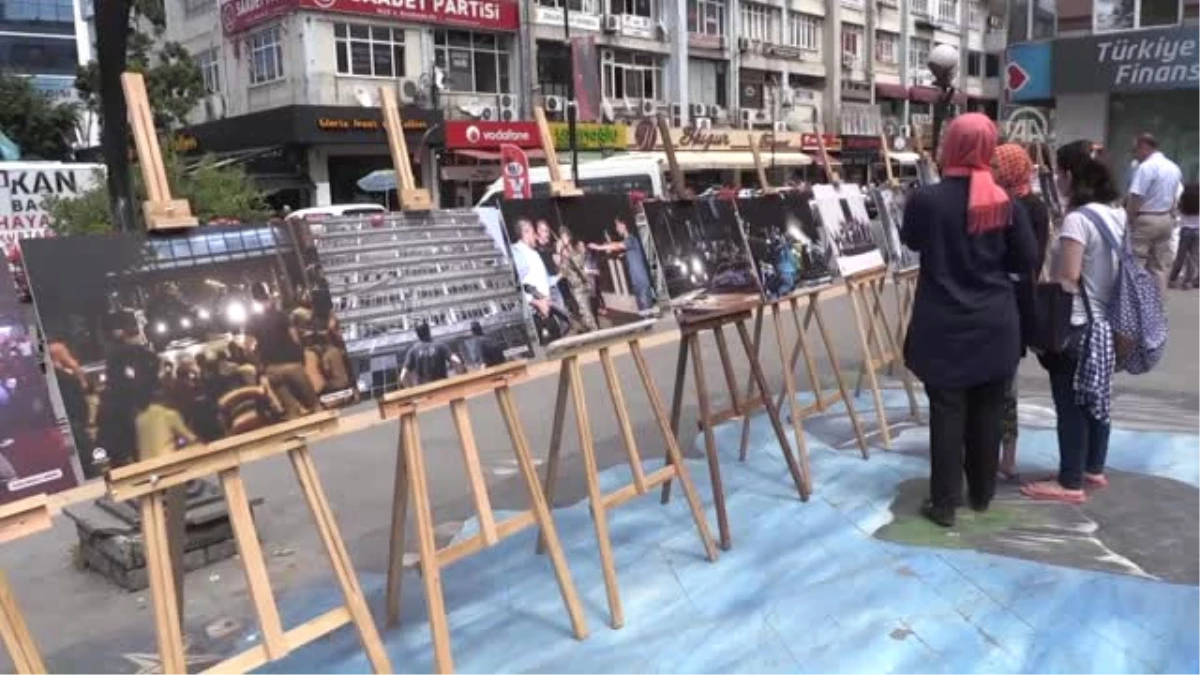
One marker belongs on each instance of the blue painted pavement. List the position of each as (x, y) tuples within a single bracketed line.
[(806, 587)]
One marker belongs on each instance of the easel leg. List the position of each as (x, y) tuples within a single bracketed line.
[(339, 559), (772, 413), (869, 365), (710, 442), (399, 527), (681, 360), (541, 511), (599, 513), (744, 448), (255, 565), (727, 369), (176, 519), (556, 432), (673, 452), (789, 388), (914, 407), (623, 421), (431, 572), (470, 452), (851, 409), (17, 638), (167, 625)]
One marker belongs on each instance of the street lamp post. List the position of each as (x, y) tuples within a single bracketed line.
[(572, 109), (943, 64)]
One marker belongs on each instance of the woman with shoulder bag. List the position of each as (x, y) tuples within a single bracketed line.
[(1081, 374)]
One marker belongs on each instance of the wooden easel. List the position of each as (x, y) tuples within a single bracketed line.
[(904, 282), (412, 481), (20, 519), (570, 385), (160, 210), (412, 198), (148, 481), (559, 186)]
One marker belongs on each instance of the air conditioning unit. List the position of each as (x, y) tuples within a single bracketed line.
[(703, 123), (509, 102), (612, 23), (743, 44), (762, 117), (698, 109), (488, 113), (715, 112), (805, 95), (649, 108), (779, 126), (410, 90), (676, 114), (748, 117), (508, 115), (555, 104)]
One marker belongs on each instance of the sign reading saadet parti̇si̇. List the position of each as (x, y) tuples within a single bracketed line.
[(1146, 60), (239, 15)]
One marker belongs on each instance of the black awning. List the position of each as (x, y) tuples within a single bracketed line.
[(271, 183)]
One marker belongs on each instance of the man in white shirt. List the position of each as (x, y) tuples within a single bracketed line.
[(534, 279), (1150, 206)]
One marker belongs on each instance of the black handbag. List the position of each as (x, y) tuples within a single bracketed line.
[(1046, 324)]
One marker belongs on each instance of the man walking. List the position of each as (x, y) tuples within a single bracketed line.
[(1152, 194)]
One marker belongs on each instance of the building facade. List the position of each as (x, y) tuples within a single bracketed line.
[(1107, 70), (37, 39), (795, 65)]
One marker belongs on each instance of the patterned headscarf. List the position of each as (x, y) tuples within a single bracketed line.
[(1013, 169), (967, 151)]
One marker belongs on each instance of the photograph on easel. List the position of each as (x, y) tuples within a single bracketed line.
[(186, 339), (581, 262), (889, 202), (788, 253), (35, 456), (704, 256), (843, 214), (421, 295)]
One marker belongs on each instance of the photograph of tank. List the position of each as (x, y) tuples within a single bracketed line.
[(35, 456), (785, 243), (581, 262), (889, 202), (162, 343), (414, 289), (704, 256), (843, 214)]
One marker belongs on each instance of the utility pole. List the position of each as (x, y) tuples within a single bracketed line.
[(572, 108)]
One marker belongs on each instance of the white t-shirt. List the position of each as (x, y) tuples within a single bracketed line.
[(1100, 262), (530, 268), (1157, 181)]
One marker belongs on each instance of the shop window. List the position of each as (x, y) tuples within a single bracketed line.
[(760, 22), (266, 55), (1108, 15), (472, 62), (644, 8), (369, 51), (42, 55), (804, 31), (706, 17), (632, 75), (886, 47), (209, 63), (553, 68)]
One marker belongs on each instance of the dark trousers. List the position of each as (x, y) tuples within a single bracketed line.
[(1186, 258), (1082, 440), (965, 428)]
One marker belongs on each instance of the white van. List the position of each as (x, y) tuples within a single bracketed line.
[(336, 211), (621, 174)]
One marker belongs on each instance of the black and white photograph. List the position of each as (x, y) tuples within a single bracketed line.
[(843, 214), (784, 255), (168, 342), (704, 256), (889, 202), (423, 295), (581, 262)]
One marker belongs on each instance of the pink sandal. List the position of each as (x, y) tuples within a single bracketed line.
[(1051, 491), (1096, 480)]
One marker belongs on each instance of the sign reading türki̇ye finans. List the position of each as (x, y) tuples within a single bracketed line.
[(1129, 61)]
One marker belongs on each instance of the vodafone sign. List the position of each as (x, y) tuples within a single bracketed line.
[(239, 15), (491, 135)]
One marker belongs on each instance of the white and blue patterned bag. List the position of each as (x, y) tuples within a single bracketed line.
[(1135, 309)]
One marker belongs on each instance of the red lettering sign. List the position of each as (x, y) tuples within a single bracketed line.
[(491, 135), (809, 142), (239, 15)]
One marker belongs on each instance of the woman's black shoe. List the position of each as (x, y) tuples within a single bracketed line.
[(939, 516)]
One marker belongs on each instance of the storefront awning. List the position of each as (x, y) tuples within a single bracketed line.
[(888, 90), (278, 183), (931, 94)]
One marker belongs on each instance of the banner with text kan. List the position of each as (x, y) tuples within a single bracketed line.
[(515, 168)]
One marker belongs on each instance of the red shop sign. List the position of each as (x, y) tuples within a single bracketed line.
[(491, 135), (809, 142), (238, 15), (486, 14)]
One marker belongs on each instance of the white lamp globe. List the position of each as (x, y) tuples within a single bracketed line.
[(943, 62)]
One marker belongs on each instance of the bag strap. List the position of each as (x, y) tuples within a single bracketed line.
[(1123, 251)]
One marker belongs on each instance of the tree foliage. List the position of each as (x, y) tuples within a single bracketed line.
[(41, 125), (216, 192), (174, 84)]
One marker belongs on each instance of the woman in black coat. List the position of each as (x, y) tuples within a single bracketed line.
[(964, 340)]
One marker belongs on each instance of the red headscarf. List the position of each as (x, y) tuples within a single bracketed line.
[(967, 151), (1013, 169)]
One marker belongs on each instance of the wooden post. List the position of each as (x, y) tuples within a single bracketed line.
[(160, 210), (570, 385), (559, 186), (678, 184), (830, 172), (887, 161), (411, 197), (20, 519), (149, 480), (763, 183), (412, 483)]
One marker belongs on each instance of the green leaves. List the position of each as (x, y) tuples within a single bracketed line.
[(43, 126)]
